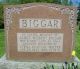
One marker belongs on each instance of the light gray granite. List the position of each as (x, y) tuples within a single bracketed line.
[(7, 64)]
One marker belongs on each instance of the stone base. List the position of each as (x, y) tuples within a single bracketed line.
[(7, 64)]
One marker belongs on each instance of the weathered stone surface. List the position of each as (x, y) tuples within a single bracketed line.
[(8, 64), (39, 32)]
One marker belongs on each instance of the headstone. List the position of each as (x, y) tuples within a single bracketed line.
[(39, 32)]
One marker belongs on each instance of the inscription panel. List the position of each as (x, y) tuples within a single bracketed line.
[(40, 42)]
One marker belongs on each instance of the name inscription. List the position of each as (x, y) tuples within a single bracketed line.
[(40, 23)]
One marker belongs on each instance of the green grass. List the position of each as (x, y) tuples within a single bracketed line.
[(77, 43), (63, 66), (2, 42)]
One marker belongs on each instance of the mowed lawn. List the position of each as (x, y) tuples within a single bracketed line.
[(77, 43), (2, 43)]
